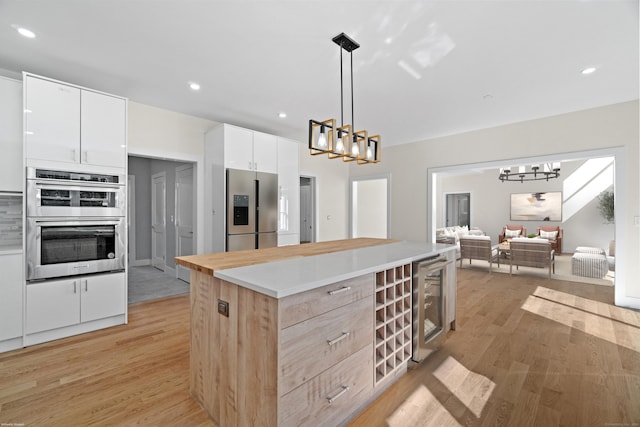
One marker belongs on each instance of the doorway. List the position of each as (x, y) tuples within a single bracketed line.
[(458, 209), (370, 207), (307, 209), (145, 281)]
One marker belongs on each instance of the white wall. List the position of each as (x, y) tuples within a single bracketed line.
[(332, 194), (164, 134), (605, 127)]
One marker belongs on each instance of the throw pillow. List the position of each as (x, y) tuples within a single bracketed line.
[(549, 235), (511, 233)]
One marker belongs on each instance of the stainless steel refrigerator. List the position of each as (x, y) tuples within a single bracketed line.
[(252, 210)]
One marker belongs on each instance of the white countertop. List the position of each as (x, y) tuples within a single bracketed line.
[(288, 277)]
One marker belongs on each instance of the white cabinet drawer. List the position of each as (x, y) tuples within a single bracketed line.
[(347, 384), (300, 307), (310, 347)]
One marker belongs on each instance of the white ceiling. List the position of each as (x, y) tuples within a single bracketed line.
[(424, 68)]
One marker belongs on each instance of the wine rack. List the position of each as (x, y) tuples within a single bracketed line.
[(393, 320)]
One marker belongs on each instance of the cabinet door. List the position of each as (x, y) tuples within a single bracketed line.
[(11, 296), (102, 296), (288, 187), (11, 175), (265, 152), (238, 148), (52, 120), (103, 129), (52, 305)]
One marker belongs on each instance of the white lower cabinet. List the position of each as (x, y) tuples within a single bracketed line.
[(11, 297), (67, 302)]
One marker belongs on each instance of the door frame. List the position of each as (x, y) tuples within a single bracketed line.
[(312, 208), (194, 209), (131, 219), (352, 181)]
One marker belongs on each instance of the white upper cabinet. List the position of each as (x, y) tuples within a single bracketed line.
[(64, 123), (11, 175), (265, 157), (102, 130), (249, 150), (52, 120), (238, 148)]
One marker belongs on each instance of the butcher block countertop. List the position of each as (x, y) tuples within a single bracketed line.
[(208, 263)]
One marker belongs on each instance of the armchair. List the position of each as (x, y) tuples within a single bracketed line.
[(553, 234), (478, 247), (531, 253), (513, 229)]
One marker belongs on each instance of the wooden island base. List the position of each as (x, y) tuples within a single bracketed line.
[(311, 358)]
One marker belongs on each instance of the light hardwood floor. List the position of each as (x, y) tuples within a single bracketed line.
[(526, 351)]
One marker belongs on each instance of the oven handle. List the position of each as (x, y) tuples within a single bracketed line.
[(75, 221), (63, 185)]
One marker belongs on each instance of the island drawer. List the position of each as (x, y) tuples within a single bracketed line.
[(331, 396), (300, 307), (308, 348)]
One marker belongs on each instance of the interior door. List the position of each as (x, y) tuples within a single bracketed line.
[(184, 217), (158, 219)]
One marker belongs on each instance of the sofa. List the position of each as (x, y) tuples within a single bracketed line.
[(451, 235)]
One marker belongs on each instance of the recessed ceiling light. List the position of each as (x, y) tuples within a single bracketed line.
[(282, 115), (588, 70), (487, 96), (25, 32), (194, 86)]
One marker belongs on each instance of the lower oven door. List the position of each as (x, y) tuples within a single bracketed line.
[(57, 248)]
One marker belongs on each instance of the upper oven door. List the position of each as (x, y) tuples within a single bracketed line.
[(69, 199)]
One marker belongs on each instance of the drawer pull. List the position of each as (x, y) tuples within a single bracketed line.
[(337, 340), (339, 291), (337, 396)]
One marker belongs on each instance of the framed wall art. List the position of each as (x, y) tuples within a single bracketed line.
[(536, 206)]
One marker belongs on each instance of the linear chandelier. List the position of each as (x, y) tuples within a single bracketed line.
[(549, 171), (342, 142)]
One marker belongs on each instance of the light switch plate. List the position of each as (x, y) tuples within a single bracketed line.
[(636, 221)]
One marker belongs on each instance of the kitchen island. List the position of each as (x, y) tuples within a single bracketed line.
[(301, 335)]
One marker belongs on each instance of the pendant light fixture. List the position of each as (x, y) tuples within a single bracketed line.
[(325, 137), (549, 171)]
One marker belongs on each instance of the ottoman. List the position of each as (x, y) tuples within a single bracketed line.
[(590, 250), (589, 265)]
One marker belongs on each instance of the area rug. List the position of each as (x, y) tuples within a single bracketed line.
[(563, 270)]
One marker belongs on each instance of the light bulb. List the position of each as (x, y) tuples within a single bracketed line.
[(354, 149), (369, 153), (322, 140), (339, 146)]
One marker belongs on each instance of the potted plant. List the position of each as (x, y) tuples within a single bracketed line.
[(606, 206)]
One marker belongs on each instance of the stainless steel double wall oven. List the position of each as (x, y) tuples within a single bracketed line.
[(75, 223)]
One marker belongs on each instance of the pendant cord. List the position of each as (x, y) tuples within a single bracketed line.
[(341, 91), (353, 122)]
